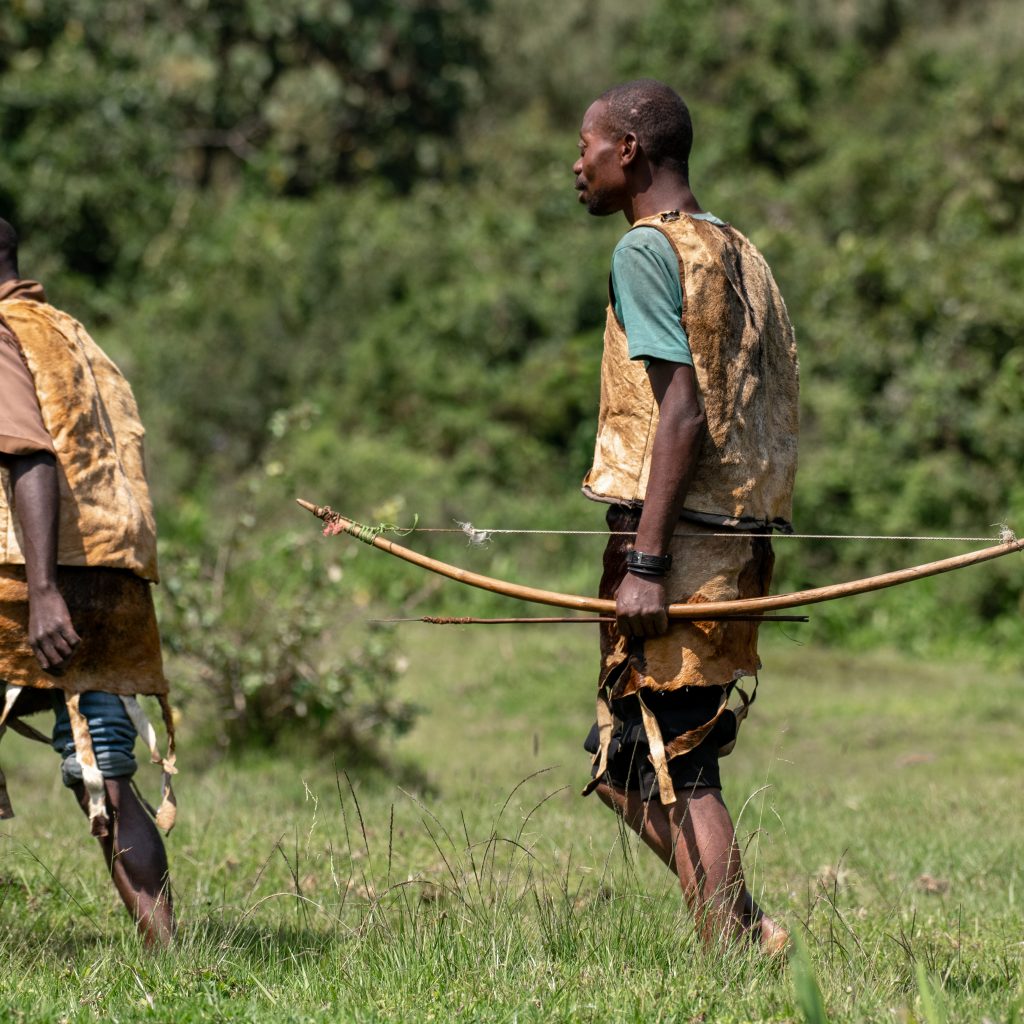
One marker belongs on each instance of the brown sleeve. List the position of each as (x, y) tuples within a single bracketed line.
[(21, 423)]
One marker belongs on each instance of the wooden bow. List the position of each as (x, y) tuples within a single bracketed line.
[(705, 611)]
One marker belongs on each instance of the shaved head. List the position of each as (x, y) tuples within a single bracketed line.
[(8, 250), (657, 116)]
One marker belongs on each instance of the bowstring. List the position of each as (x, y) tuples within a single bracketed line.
[(482, 536)]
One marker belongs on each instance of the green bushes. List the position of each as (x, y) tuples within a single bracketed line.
[(271, 654), (259, 644)]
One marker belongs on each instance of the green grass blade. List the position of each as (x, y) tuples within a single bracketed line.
[(805, 985), (932, 1007)]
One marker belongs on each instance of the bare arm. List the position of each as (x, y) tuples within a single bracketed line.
[(641, 601), (37, 502)]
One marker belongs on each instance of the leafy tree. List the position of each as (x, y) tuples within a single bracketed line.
[(114, 113)]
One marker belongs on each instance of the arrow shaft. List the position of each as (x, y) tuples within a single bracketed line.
[(533, 620)]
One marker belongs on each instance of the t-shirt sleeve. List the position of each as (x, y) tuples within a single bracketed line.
[(21, 423), (649, 298)]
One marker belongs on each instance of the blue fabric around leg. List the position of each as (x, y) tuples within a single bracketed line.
[(113, 736)]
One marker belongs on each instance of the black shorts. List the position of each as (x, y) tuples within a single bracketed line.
[(677, 711)]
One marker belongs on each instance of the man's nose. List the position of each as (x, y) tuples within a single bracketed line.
[(577, 168)]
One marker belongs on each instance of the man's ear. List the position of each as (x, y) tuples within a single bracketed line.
[(629, 149)]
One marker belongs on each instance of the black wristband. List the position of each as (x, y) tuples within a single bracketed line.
[(648, 565)]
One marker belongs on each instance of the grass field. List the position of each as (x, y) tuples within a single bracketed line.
[(878, 802)]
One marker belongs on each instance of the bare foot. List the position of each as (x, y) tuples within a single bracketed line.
[(774, 939)]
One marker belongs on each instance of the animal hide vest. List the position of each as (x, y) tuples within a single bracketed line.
[(745, 361), (106, 517)]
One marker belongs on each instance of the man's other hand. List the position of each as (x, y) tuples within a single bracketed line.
[(640, 607), (51, 634)]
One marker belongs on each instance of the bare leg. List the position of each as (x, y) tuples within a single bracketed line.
[(696, 841), (708, 864), (648, 820), (137, 862)]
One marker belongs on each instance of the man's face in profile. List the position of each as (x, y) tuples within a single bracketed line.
[(600, 180)]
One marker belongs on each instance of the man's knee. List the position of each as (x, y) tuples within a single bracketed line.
[(629, 804), (112, 733), (611, 796)]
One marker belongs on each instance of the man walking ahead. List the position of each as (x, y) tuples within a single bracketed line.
[(77, 554), (697, 436)]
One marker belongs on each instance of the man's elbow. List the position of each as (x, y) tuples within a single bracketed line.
[(688, 423)]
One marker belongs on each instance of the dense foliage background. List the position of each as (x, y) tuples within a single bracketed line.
[(336, 248)]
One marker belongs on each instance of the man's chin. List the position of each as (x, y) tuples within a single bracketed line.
[(597, 204), (594, 204)]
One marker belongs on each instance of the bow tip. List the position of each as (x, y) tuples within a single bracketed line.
[(320, 511)]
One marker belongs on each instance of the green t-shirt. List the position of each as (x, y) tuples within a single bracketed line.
[(648, 295)]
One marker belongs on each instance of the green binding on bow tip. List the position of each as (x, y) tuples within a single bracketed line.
[(361, 531)]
